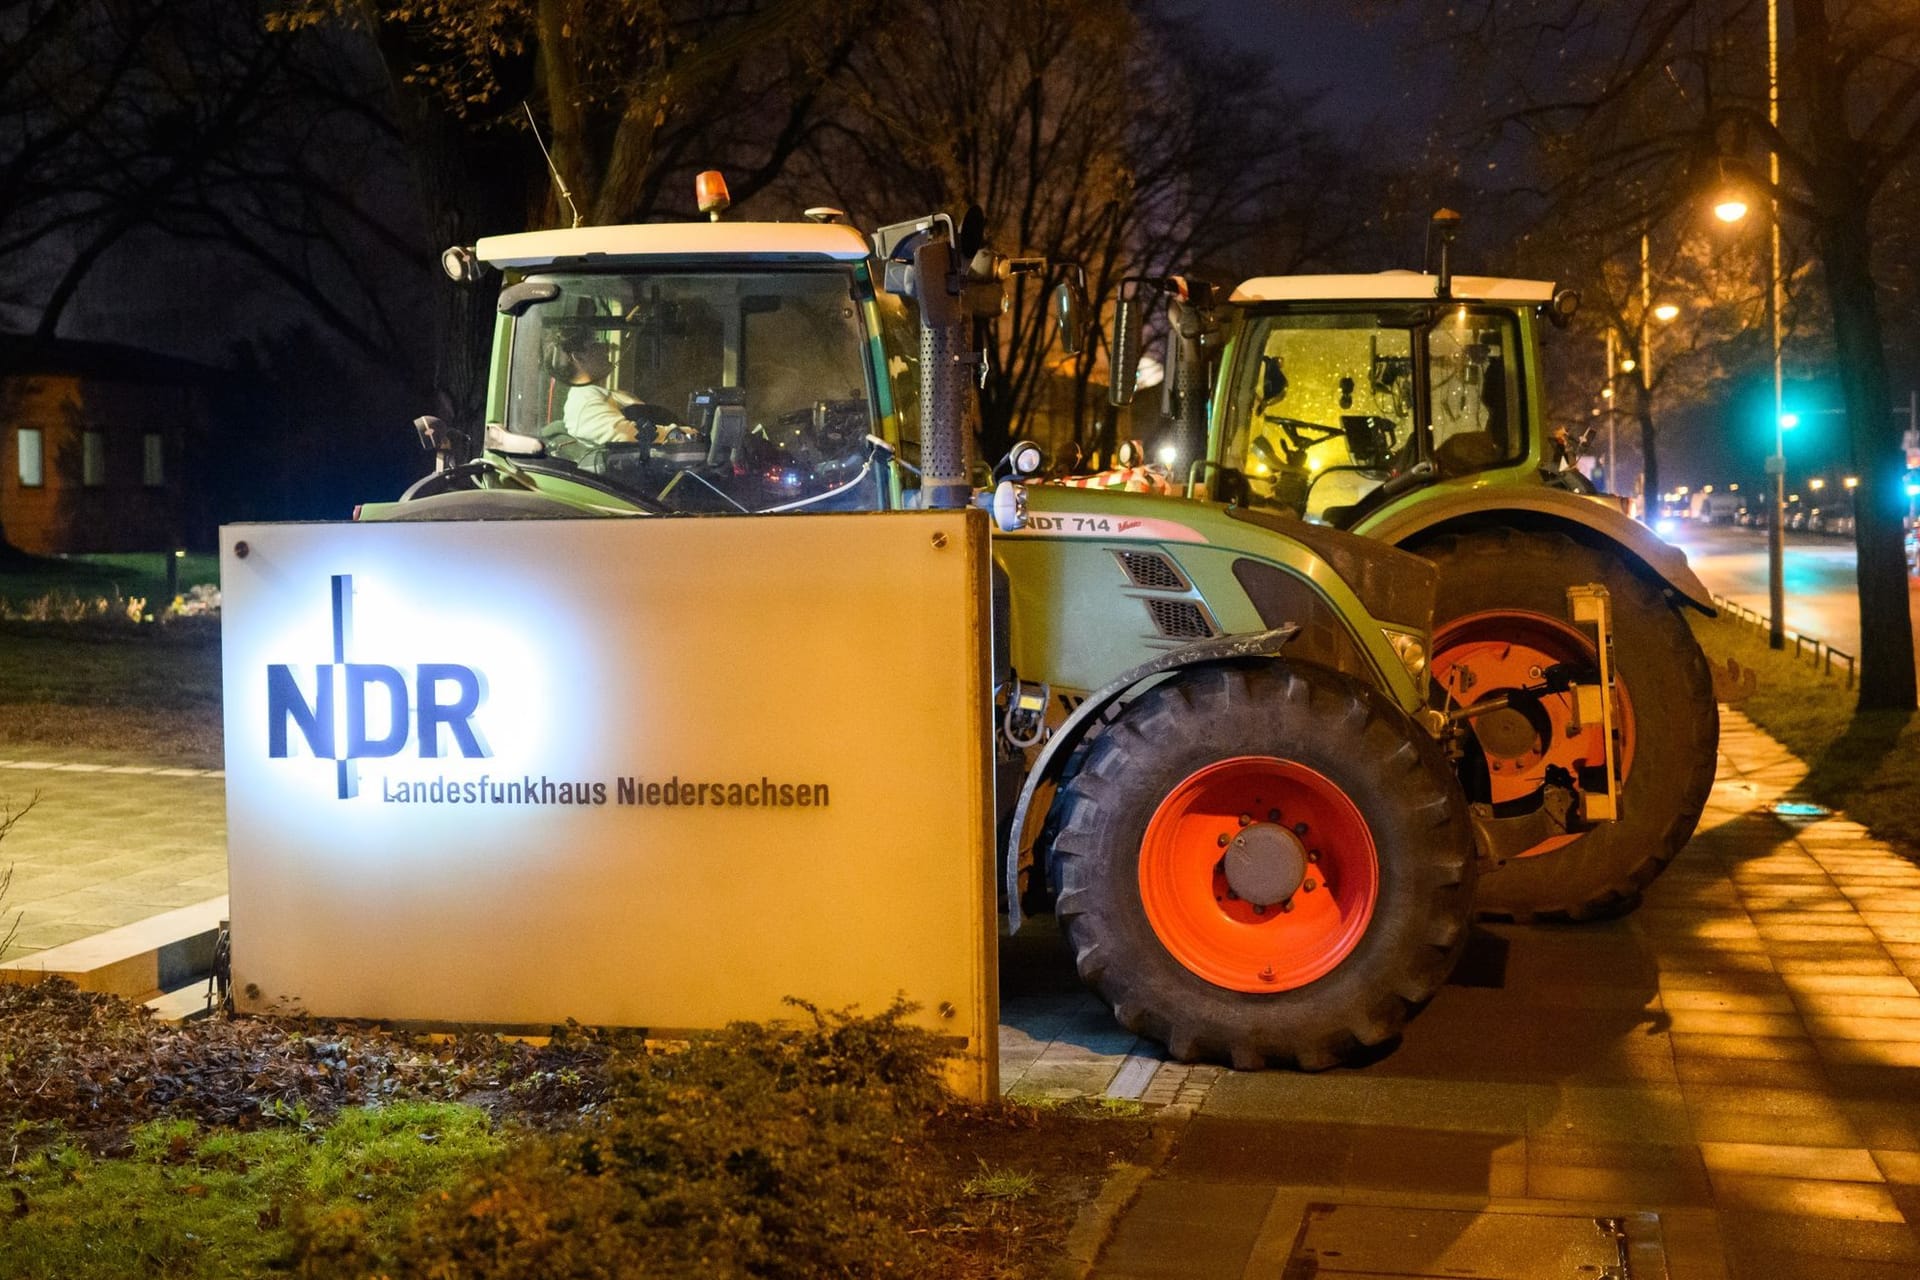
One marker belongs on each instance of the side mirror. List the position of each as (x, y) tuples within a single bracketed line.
[(1067, 317), (1566, 302), (1123, 348)]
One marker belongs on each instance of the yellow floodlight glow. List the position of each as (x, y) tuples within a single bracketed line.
[(1852, 482), (1730, 209), (1628, 364), (1665, 311), (1816, 484)]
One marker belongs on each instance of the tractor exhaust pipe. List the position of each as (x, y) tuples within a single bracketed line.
[(946, 370), (1447, 223)]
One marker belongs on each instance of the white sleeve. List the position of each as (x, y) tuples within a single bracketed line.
[(592, 416)]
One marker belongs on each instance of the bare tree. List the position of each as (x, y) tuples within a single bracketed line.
[(1089, 134), (1657, 99)]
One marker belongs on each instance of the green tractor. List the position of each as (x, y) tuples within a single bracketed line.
[(1217, 755), (1407, 408)]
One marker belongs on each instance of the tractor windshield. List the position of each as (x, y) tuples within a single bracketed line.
[(1325, 406), (702, 391)]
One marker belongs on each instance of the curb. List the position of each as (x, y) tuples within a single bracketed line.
[(139, 961), (1098, 1217)]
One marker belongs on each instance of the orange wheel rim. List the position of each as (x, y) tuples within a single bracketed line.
[(1258, 874), (1483, 654)]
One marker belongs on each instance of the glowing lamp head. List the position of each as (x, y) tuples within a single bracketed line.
[(1851, 482), (1665, 312), (1168, 455), (1816, 484), (1730, 209), (1788, 421), (710, 193), (1628, 364)]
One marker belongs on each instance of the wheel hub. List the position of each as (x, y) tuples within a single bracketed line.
[(1266, 863)]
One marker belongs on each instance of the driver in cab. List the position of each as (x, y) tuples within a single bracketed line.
[(593, 413)]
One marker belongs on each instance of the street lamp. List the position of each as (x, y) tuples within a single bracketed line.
[(1733, 209)]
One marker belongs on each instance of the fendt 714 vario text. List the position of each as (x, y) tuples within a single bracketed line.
[(1218, 761), (1408, 408)]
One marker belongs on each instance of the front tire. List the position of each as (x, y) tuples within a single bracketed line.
[(1511, 586), (1351, 888)]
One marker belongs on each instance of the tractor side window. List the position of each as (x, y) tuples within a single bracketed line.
[(1472, 362), (1323, 411)]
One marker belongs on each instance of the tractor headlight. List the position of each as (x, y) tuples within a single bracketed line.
[(1411, 649)]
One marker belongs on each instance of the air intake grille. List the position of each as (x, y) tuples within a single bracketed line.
[(1180, 619), (1152, 570)]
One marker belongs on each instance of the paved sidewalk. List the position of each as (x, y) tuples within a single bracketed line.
[(1739, 1058), (105, 846)]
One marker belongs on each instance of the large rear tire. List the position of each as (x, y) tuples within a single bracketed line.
[(1352, 877), (1512, 585)]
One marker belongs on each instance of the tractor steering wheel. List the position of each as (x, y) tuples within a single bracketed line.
[(1300, 433)]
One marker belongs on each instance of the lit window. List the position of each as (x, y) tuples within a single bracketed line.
[(153, 466), (32, 460), (93, 458)]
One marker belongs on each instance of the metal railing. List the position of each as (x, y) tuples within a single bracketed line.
[(1824, 654)]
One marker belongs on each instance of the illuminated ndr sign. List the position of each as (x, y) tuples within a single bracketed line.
[(433, 707)]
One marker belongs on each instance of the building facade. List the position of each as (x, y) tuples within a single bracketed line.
[(96, 446)]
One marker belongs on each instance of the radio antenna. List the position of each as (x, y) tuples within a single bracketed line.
[(552, 168)]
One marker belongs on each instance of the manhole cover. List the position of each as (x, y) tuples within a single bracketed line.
[(1388, 1242)]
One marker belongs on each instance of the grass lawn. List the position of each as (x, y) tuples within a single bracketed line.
[(112, 577), (106, 693), (1867, 763), (188, 1201)]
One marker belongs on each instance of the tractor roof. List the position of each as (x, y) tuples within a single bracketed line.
[(757, 241), (1390, 286)]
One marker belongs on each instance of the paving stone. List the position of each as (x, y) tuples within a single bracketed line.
[(1711, 1124), (1160, 1235), (1777, 1048), (1900, 1053), (1851, 984), (1772, 1160), (1655, 1114), (1397, 1159), (1806, 1197), (1700, 1074), (1625, 1188), (1900, 1166), (1270, 1152)]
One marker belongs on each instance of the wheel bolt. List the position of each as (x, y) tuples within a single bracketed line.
[(1245, 820), (1273, 815), (1287, 905), (1309, 886), (1259, 910), (1299, 828), (1313, 855), (1267, 974), (1225, 840)]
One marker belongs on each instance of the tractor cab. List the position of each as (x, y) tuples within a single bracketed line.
[(1341, 391), (697, 368)]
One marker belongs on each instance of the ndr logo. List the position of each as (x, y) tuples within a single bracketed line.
[(379, 708)]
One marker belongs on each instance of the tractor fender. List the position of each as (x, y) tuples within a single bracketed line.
[(1538, 506), (1072, 731)]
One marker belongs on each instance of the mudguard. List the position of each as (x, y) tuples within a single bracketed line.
[(1053, 756), (1404, 523)]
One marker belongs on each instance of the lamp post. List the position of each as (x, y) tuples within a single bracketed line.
[(1777, 464)]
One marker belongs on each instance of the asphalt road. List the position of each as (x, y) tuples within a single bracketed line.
[(1822, 594)]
